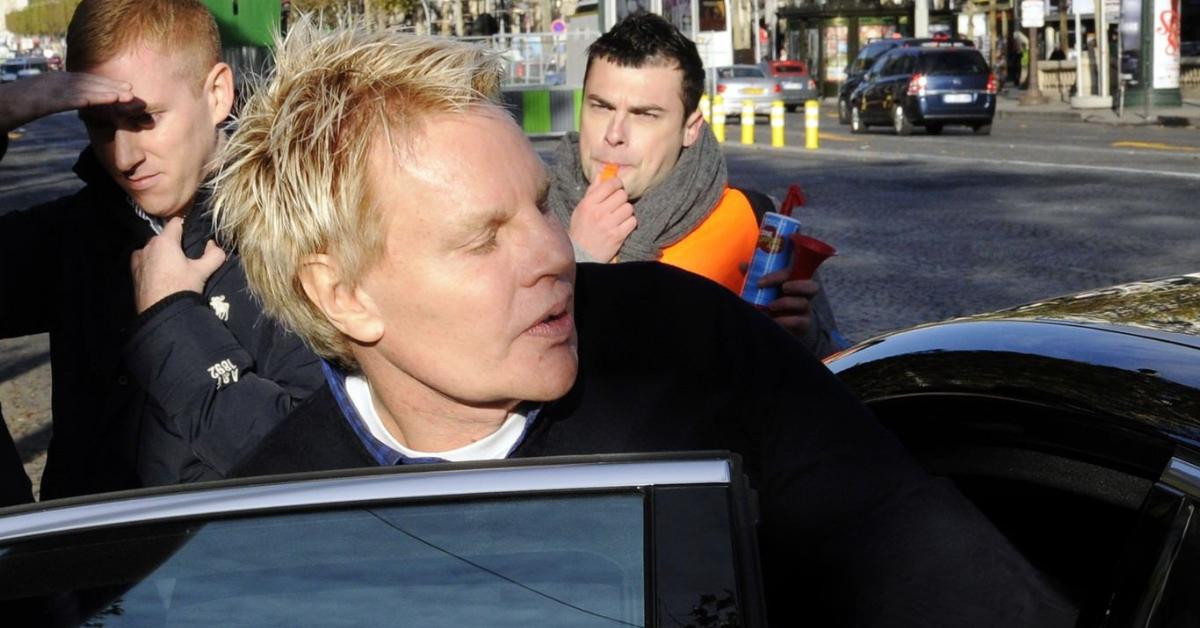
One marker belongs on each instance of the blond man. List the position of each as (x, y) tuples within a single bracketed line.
[(163, 369), (396, 218)]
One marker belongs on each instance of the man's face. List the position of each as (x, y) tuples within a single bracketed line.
[(475, 287), (158, 146), (633, 117)]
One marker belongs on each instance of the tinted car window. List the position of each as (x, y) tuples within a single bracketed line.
[(745, 73), (954, 62), (869, 55), (891, 64), (557, 561)]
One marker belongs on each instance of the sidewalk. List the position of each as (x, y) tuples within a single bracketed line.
[(1008, 106)]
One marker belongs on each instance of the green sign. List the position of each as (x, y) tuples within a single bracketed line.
[(246, 22)]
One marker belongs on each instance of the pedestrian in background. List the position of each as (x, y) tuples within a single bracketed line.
[(666, 194), (163, 368)]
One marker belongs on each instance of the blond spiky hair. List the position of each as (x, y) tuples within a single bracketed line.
[(294, 181)]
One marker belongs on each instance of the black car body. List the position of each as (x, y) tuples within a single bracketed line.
[(929, 87), (870, 53), (1074, 424)]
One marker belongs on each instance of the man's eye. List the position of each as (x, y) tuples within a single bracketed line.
[(648, 114), (487, 245)]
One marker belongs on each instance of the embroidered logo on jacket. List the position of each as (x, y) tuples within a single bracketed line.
[(219, 306), (224, 373)]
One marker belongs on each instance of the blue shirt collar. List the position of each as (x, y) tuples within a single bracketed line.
[(384, 455)]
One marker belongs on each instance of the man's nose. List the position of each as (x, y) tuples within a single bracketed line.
[(548, 247), (127, 152), (614, 133)]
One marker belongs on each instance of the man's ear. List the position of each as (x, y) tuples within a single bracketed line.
[(218, 91), (348, 308), (692, 127)]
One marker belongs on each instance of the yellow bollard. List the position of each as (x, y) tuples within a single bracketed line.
[(777, 110), (706, 109), (718, 124), (747, 122), (812, 121)]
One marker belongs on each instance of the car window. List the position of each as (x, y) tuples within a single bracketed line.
[(748, 73), (881, 64), (566, 561), (906, 65), (954, 62)]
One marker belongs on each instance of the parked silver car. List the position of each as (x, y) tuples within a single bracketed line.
[(739, 83)]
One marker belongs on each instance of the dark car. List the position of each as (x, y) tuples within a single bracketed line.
[(597, 540), (1074, 424), (929, 87), (797, 86), (870, 53)]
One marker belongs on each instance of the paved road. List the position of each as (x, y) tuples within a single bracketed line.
[(927, 227), (934, 227)]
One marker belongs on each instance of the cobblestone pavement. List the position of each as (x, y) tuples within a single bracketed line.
[(927, 228)]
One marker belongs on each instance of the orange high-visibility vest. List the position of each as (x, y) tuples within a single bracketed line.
[(717, 247)]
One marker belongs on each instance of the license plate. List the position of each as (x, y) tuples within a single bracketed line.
[(957, 99), (752, 91), (793, 85)]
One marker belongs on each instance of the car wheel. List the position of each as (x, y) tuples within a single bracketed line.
[(903, 126), (843, 111), (982, 129), (856, 123), (933, 128)]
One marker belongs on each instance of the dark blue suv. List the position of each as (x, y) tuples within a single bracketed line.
[(871, 53), (929, 87)]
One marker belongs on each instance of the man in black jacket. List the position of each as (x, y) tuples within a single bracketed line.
[(163, 368), (456, 326)]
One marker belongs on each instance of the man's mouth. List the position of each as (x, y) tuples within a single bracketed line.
[(556, 324), (142, 182)]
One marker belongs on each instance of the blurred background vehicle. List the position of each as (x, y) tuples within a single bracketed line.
[(793, 76), (739, 83), (871, 53), (926, 86), (23, 67)]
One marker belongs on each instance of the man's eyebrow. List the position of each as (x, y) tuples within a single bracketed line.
[(636, 109), (647, 109)]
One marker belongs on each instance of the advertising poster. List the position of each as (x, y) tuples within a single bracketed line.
[(1166, 27)]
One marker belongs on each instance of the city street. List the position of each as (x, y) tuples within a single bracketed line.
[(926, 227), (931, 227)]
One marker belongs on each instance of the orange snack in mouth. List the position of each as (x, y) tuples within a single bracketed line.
[(610, 171)]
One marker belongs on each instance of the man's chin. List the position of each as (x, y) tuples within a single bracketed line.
[(553, 379)]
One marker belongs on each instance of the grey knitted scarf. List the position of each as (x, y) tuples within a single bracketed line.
[(666, 213)]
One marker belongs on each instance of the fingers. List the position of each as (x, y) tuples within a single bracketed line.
[(790, 306), (210, 261), (794, 325), (773, 279), (173, 231), (627, 226), (806, 288)]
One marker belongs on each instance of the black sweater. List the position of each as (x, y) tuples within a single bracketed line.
[(853, 532)]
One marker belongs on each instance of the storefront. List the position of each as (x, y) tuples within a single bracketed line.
[(829, 34)]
